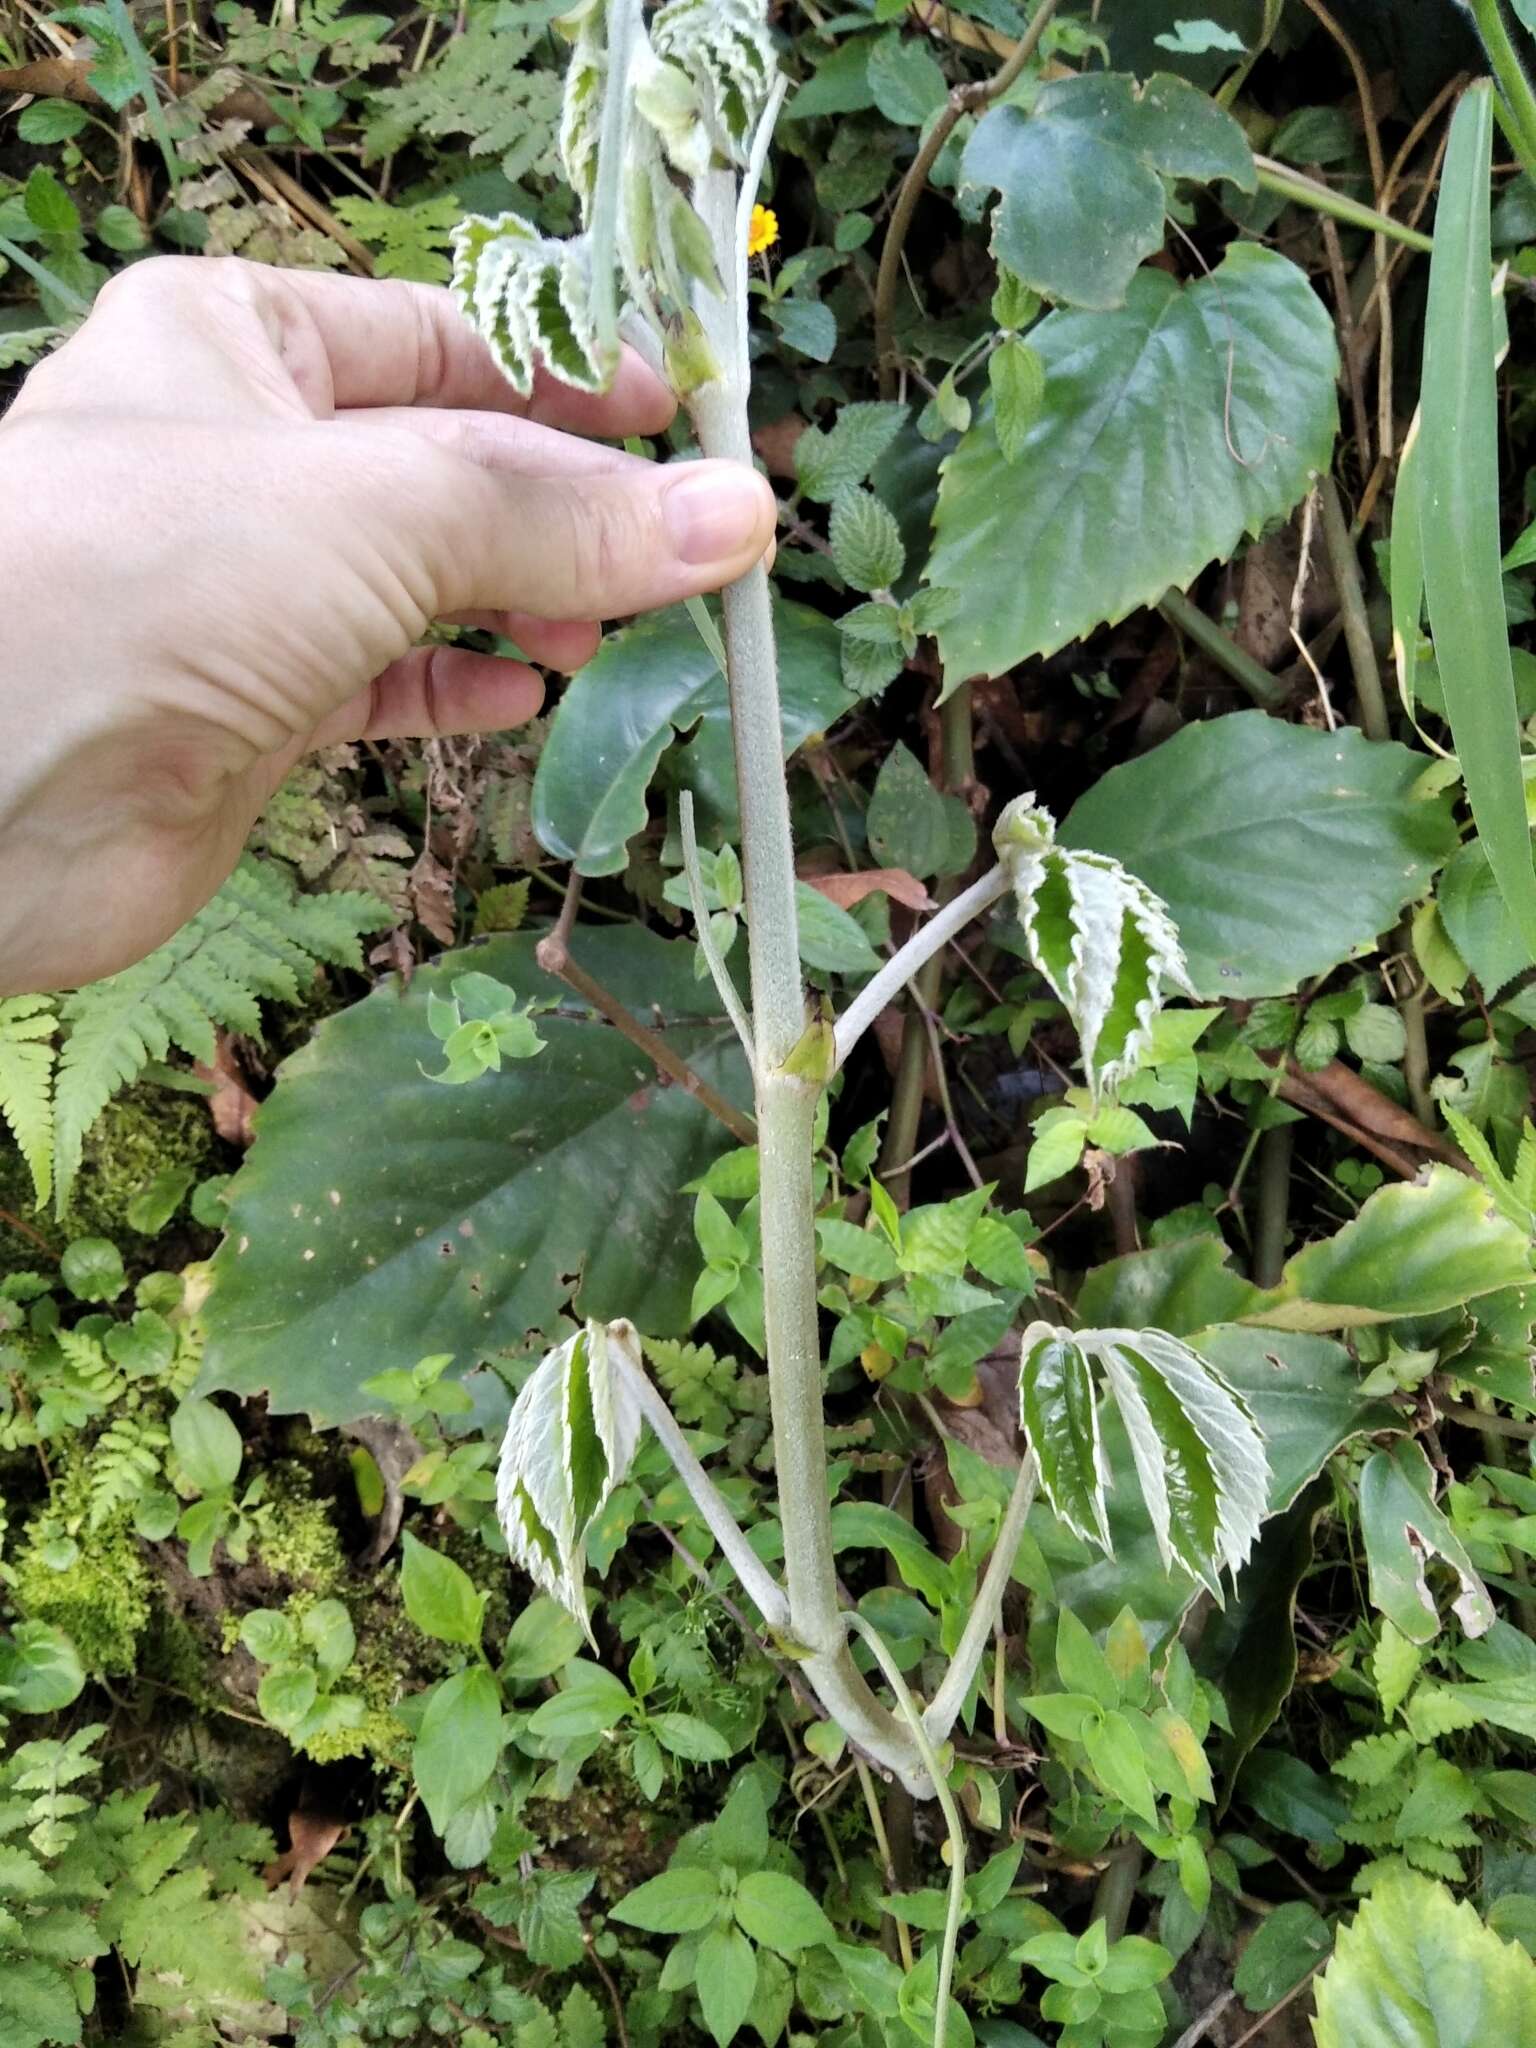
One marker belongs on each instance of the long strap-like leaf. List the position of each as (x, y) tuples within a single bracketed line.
[(1459, 512)]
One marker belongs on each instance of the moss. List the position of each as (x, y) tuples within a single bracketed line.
[(141, 1134), (295, 1538), (101, 1600)]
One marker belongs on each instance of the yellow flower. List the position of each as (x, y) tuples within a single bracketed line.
[(764, 231)]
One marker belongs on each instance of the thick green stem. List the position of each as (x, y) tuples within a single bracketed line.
[(1514, 86), (786, 1100), (1304, 191), (1266, 690)]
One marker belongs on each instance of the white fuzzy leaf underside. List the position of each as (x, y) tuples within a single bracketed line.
[(575, 1418)]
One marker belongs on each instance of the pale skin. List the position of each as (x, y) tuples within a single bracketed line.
[(230, 506)]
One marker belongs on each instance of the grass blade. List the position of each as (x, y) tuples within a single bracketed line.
[(1459, 512)]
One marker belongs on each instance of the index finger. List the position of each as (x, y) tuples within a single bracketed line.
[(388, 342)]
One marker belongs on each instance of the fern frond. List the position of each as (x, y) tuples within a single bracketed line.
[(125, 1461), (476, 89), (27, 1025), (256, 938), (1443, 1863), (1374, 1758), (1435, 1711)]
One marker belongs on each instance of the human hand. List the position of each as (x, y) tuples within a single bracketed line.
[(229, 508)]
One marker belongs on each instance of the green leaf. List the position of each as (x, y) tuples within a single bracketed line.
[(458, 1743), (906, 83), (1243, 826), (1115, 1757), (50, 121), (807, 325), (40, 1670), (725, 1977), (451, 1219), (677, 1902), (206, 1443), (1478, 921), (49, 207), (542, 1641), (685, 1735), (1167, 431), (27, 1024), (157, 1201), (645, 685), (1417, 1969), (831, 940), (781, 1913), (827, 463), (1403, 1531), (591, 1702), (92, 1269), (439, 1595), (1459, 511), (1058, 1407), (1286, 1945), (1081, 1665), (1413, 1250), (1016, 377), (1082, 202), (866, 542), (121, 229), (907, 820)]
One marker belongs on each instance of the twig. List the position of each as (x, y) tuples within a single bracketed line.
[(1116, 1891), (1264, 2019), (1273, 1204), (20, 1223), (554, 957), (1201, 2025), (1268, 691), (1475, 1418), (1294, 185), (1349, 346), (882, 1844), (965, 99), (946, 1100)]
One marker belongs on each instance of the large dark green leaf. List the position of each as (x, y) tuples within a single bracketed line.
[(1082, 202), (1250, 830), (380, 1217), (1413, 1250), (644, 686), (1305, 1395), (1179, 1287), (1167, 430)]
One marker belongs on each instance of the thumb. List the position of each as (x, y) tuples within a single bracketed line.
[(584, 547)]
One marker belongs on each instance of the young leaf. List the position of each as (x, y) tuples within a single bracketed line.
[(1198, 1454), (866, 542), (1100, 937), (439, 1595), (531, 300), (1017, 377), (569, 1442)]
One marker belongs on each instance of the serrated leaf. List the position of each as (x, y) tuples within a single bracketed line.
[(1100, 937), (27, 1026), (569, 1442), (1197, 1452), (866, 542), (1418, 1970), (530, 299), (1167, 431), (826, 463)]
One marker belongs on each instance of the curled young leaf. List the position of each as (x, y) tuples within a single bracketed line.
[(530, 298), (1101, 938), (1197, 1450), (723, 50), (569, 1442)]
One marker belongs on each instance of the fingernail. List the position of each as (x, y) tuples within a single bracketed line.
[(713, 511)]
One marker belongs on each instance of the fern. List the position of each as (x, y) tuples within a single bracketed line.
[(476, 90), (27, 1025), (1374, 1758), (256, 938), (412, 241), (125, 1462)]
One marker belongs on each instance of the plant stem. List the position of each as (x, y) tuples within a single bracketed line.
[(965, 99), (1275, 1148), (725, 987), (945, 1707), (924, 943), (718, 1519), (956, 1913), (1266, 690), (786, 1100), (1304, 191), (553, 957), (1514, 86), (1117, 1888), (1345, 564)]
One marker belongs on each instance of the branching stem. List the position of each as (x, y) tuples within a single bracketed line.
[(904, 964), (945, 1707)]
